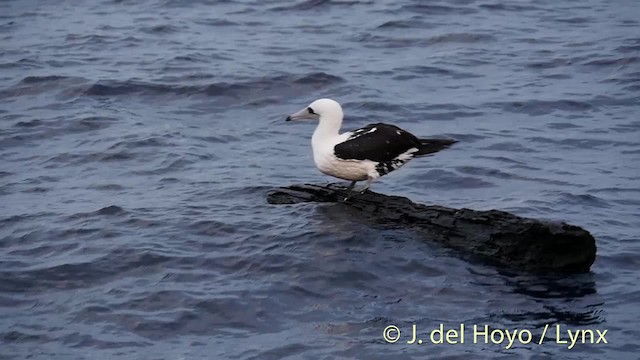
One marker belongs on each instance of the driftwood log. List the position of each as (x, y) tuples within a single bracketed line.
[(494, 236)]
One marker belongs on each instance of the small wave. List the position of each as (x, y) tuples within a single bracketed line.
[(23, 64), (107, 187), (117, 156), (86, 37), (461, 38), (168, 165), (421, 69), (508, 7), (222, 89), (69, 159), (550, 64), (556, 76), (503, 159), (83, 40), (153, 141), (40, 79), (107, 210), (582, 143), (113, 88), (78, 340), (447, 180), (470, 138), (318, 78), (379, 41), (616, 190), (488, 172), (40, 129), (563, 125), (29, 124), (510, 147), (260, 87), (430, 70), (35, 85), (584, 199), (429, 9), (36, 189), (76, 275), (575, 20), (316, 4), (7, 26), (452, 115), (634, 49), (216, 22), (498, 174), (405, 24), (86, 124), (212, 228), (95, 41), (304, 5), (21, 337), (111, 210), (632, 88), (160, 29), (621, 61), (197, 58), (223, 138), (542, 107), (632, 126), (601, 100), (376, 106)]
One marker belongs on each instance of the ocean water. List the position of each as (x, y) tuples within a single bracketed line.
[(138, 141)]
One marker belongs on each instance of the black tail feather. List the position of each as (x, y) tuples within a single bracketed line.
[(430, 146)]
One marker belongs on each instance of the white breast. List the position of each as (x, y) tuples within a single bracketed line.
[(328, 163)]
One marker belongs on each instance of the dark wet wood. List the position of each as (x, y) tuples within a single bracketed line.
[(495, 236)]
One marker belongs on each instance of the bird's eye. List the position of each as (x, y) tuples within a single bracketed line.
[(310, 110)]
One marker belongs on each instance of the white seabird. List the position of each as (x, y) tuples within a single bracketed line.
[(363, 154)]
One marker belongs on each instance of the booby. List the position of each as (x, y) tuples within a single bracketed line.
[(363, 154)]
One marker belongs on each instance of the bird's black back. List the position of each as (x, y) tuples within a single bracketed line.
[(385, 143)]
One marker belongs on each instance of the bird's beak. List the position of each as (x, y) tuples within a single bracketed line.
[(302, 114)]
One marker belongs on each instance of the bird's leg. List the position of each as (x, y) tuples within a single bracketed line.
[(366, 185), (350, 190)]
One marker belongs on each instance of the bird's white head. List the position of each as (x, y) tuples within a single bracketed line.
[(321, 109)]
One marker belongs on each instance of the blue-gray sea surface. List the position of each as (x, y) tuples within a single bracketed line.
[(138, 141)]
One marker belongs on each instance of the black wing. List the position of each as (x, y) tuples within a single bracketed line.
[(377, 142)]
